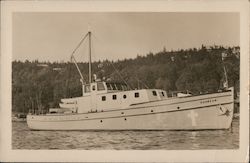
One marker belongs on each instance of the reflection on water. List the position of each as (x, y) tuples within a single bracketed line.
[(23, 138)]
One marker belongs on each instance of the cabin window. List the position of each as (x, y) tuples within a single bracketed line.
[(124, 96), (154, 93), (137, 95), (103, 98), (114, 97), (100, 87), (87, 88), (93, 87)]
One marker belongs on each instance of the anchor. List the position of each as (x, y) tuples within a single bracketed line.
[(224, 111)]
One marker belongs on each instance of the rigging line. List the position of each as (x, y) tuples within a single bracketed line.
[(142, 82), (120, 76), (108, 75), (79, 44), (73, 58), (114, 66), (78, 69)]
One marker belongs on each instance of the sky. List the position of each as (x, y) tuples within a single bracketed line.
[(47, 36)]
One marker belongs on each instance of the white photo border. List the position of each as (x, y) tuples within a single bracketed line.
[(6, 152)]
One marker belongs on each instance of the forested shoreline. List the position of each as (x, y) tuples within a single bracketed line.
[(42, 84)]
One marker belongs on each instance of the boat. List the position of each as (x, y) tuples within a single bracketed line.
[(107, 105), (19, 117)]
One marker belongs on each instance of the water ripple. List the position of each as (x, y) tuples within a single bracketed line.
[(23, 138)]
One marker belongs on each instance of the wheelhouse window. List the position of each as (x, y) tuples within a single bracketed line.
[(87, 88), (117, 86), (124, 87), (154, 93), (113, 86), (114, 97), (137, 95), (109, 86), (100, 86), (103, 98)]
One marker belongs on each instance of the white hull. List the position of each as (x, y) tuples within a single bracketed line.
[(210, 111)]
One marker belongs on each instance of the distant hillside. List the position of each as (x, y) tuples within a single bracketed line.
[(42, 85)]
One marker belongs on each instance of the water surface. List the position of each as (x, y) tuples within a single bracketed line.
[(23, 138)]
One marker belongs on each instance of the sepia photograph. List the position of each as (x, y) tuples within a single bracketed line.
[(126, 81), (132, 76)]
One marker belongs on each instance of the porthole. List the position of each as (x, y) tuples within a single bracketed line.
[(122, 112), (103, 98), (101, 121), (124, 96), (152, 111), (114, 97), (125, 119), (178, 107)]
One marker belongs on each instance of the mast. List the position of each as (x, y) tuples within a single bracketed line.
[(225, 84), (89, 57)]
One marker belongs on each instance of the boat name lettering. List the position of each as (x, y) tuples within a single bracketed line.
[(208, 101)]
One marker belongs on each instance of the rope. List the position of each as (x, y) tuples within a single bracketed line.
[(114, 66), (142, 83), (79, 44), (120, 76), (72, 58)]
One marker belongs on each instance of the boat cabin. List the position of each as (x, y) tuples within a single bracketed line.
[(102, 96)]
